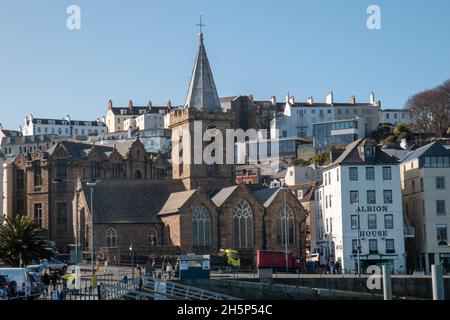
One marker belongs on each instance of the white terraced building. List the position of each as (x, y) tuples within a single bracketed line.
[(363, 184), (64, 127)]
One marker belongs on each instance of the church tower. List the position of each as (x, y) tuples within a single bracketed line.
[(201, 119)]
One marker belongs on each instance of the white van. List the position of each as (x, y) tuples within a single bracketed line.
[(21, 277)]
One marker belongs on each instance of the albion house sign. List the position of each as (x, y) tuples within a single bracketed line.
[(373, 208)]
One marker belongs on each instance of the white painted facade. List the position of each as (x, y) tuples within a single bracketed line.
[(64, 127), (339, 216), (2, 195), (147, 121), (395, 116), (299, 174)]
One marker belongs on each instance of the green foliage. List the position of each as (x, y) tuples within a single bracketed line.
[(21, 237), (381, 133)]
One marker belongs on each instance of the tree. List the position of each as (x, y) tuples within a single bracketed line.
[(430, 109), (20, 240)]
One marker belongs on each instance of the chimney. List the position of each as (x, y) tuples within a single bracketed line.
[(110, 104), (352, 99), (149, 105), (130, 104), (273, 100), (287, 97), (1, 127), (250, 97), (292, 100), (372, 98), (169, 105), (310, 100), (330, 99)]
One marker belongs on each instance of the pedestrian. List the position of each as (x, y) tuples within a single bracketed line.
[(163, 268), (46, 281), (139, 276), (54, 278), (169, 270), (154, 268), (106, 265), (177, 270)]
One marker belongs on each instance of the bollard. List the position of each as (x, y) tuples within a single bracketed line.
[(437, 280), (387, 283)]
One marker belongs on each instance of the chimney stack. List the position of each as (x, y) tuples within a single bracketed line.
[(352, 99), (110, 104), (310, 100), (330, 98), (273, 100), (130, 104), (292, 100), (169, 105), (149, 105), (250, 97), (372, 98)]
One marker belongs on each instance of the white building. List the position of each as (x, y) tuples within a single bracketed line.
[(12, 146), (362, 182), (64, 127), (425, 179), (147, 121), (298, 118), (117, 117), (395, 116)]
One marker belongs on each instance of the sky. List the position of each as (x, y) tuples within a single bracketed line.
[(145, 49)]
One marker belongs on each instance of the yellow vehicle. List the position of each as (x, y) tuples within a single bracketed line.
[(226, 258)]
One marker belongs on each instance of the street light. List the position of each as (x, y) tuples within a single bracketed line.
[(92, 184), (131, 253)]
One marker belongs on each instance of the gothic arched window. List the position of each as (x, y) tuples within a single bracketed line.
[(285, 225), (152, 237), (201, 227), (243, 225), (111, 237)]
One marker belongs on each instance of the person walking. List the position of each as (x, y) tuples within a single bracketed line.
[(169, 270), (139, 275), (154, 268), (54, 278), (46, 281)]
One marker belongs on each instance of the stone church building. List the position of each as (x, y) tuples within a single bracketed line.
[(199, 210)]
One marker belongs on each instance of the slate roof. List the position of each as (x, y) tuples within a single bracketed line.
[(434, 148), (266, 196), (131, 201), (202, 92), (351, 155), (175, 201), (60, 122), (79, 150), (136, 110)]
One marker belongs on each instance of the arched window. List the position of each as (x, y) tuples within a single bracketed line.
[(285, 226), (137, 175), (243, 225), (152, 237), (111, 237), (201, 227)]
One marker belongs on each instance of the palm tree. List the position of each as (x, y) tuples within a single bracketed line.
[(21, 241)]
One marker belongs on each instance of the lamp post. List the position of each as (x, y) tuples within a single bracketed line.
[(92, 184), (131, 253)]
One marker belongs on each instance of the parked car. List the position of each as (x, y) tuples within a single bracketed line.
[(55, 264), (21, 277), (37, 268), (4, 287)]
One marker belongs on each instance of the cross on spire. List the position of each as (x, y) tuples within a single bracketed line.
[(200, 24)]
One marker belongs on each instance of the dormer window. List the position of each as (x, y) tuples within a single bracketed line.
[(369, 151)]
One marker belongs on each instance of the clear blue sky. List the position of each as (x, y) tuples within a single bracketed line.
[(145, 49)]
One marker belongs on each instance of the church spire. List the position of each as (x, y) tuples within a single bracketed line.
[(202, 93)]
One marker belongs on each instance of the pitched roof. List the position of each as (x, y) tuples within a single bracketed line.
[(78, 150), (202, 93), (266, 196), (136, 110), (130, 201), (434, 147), (223, 195), (175, 201), (351, 155)]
